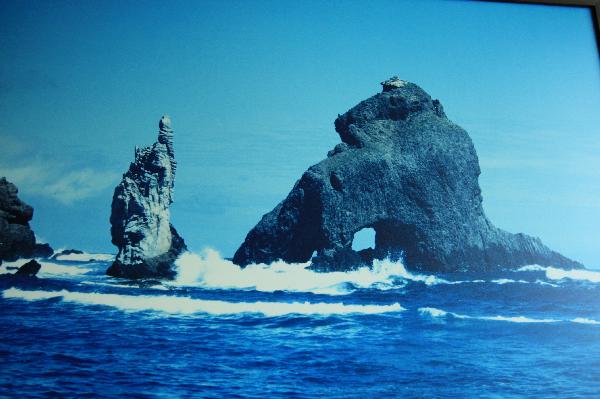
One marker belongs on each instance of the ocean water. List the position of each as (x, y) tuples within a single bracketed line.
[(283, 331)]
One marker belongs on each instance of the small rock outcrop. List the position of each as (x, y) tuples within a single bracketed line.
[(406, 171), (67, 252), (140, 220), (30, 269), (17, 240), (42, 251)]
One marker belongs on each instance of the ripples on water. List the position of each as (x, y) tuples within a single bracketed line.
[(285, 331)]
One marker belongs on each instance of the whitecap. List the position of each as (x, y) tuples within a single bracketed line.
[(517, 319), (86, 257), (502, 281), (186, 305), (554, 273), (433, 312), (439, 313), (583, 320), (575, 274), (531, 268), (210, 270), (128, 286)]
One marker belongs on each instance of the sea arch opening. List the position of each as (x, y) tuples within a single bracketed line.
[(364, 239)]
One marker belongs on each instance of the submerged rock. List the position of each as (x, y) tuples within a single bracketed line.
[(17, 240), (140, 220), (405, 170), (30, 269)]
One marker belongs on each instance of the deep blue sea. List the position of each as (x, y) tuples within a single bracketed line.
[(282, 331)]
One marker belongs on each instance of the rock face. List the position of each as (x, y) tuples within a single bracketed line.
[(405, 170), (140, 219), (17, 240)]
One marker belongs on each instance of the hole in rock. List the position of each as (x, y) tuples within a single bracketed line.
[(364, 239)]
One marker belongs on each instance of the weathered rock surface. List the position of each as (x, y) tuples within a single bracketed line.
[(30, 269), (405, 170), (140, 220), (17, 240)]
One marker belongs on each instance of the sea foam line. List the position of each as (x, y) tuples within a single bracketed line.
[(553, 273), (439, 313), (210, 270), (186, 305)]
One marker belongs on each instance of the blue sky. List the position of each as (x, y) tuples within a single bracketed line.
[(253, 88)]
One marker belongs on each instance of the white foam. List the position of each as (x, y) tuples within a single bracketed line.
[(531, 268), (583, 320), (433, 312), (518, 319), (400, 271), (502, 281), (186, 305), (540, 282), (210, 270), (575, 274), (553, 273), (86, 257), (48, 269), (128, 286), (439, 313)]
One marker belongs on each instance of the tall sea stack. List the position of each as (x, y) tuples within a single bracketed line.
[(407, 171), (140, 220)]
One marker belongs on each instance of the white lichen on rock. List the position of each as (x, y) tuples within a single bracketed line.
[(393, 83)]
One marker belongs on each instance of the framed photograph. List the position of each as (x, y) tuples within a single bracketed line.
[(300, 199)]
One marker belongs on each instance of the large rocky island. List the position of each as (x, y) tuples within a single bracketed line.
[(140, 220), (17, 240), (406, 171)]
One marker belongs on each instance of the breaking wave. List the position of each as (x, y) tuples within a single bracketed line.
[(210, 270), (186, 305), (439, 313), (553, 273)]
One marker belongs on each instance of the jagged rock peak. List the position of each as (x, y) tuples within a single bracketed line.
[(165, 131), (140, 219), (165, 136), (409, 173)]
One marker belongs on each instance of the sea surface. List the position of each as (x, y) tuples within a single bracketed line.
[(283, 331)]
